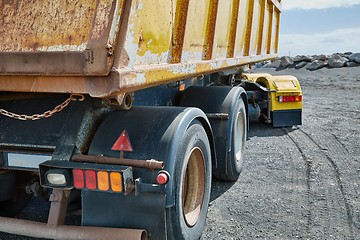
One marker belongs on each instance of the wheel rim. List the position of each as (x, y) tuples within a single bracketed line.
[(239, 140), (193, 187)]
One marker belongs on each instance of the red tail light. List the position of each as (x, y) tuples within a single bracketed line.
[(79, 180), (90, 179), (290, 98), (162, 178)]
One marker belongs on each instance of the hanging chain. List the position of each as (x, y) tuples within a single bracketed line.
[(47, 114)]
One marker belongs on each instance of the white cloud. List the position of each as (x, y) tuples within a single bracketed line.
[(317, 4), (340, 40)]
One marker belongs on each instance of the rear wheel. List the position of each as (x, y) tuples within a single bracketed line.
[(186, 219), (234, 162), (238, 144), (226, 111)]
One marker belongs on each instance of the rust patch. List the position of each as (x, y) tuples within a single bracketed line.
[(249, 27), (277, 31), (83, 31), (210, 29), (101, 21), (233, 28), (29, 25), (119, 80), (261, 27), (271, 12), (141, 40), (179, 30)]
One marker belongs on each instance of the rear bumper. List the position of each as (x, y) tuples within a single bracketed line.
[(43, 230), (286, 118)]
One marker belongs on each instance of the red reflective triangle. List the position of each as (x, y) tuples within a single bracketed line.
[(123, 143)]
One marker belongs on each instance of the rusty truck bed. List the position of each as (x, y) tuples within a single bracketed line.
[(105, 48)]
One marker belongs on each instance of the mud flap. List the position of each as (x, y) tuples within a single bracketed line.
[(286, 118), (134, 212)]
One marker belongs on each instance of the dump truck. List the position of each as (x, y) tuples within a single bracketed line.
[(125, 110)]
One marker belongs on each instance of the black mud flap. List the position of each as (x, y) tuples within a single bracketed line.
[(134, 212), (286, 118)]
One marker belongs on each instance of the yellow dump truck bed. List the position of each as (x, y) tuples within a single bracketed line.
[(107, 47)]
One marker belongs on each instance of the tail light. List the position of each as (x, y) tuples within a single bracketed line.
[(297, 98), (90, 176), (100, 180), (103, 181), (90, 179), (79, 178), (162, 178), (115, 180)]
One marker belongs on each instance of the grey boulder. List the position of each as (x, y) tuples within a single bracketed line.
[(352, 64), (302, 58), (274, 64), (300, 65), (285, 62), (337, 61), (321, 57), (317, 64), (355, 57)]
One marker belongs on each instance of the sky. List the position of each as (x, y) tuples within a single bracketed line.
[(311, 27)]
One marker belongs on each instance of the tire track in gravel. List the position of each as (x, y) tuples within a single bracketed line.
[(269, 201), (330, 211), (347, 166), (337, 174), (308, 169)]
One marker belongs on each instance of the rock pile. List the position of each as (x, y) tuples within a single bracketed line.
[(312, 63)]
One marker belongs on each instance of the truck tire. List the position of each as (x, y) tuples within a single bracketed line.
[(186, 219), (229, 131), (234, 164)]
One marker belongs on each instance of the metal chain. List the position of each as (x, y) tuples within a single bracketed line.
[(47, 114)]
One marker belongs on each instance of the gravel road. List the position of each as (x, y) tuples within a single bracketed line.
[(301, 182)]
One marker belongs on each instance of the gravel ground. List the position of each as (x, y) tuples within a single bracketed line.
[(298, 183)]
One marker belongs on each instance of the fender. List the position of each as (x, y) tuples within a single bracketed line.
[(154, 132)]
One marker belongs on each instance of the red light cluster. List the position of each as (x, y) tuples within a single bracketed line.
[(290, 98), (97, 180)]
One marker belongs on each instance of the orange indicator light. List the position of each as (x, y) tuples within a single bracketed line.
[(115, 179), (182, 87), (103, 181)]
